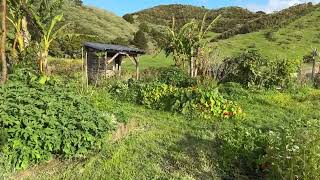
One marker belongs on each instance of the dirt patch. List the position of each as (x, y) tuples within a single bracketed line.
[(123, 130), (48, 167)]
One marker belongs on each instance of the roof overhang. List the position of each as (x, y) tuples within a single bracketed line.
[(114, 48)]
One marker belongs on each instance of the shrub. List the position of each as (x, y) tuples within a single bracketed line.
[(251, 69), (204, 103), (140, 40), (42, 119), (308, 58), (270, 36), (176, 77)]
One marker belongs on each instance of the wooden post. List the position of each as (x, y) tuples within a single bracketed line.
[(82, 67), (313, 69), (137, 66), (105, 64), (114, 65), (86, 69), (191, 64)]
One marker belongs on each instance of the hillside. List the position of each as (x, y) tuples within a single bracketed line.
[(291, 41), (235, 20), (90, 20), (273, 20), (101, 25), (162, 15)]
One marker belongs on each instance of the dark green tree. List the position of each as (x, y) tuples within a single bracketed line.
[(144, 27), (129, 18), (140, 40), (120, 41)]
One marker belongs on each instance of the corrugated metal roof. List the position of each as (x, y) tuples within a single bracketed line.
[(114, 48)]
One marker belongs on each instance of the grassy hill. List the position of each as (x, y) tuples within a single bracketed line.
[(273, 20), (106, 25), (162, 15), (291, 41), (101, 25)]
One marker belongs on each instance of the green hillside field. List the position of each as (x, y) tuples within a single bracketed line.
[(292, 41)]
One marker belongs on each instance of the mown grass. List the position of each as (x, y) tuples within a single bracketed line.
[(292, 41), (62, 66), (149, 61)]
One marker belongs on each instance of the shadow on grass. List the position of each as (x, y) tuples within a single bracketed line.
[(202, 158), (192, 156)]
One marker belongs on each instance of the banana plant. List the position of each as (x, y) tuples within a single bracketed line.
[(19, 21), (46, 22), (185, 43), (49, 34)]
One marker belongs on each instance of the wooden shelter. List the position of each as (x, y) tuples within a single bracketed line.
[(105, 60)]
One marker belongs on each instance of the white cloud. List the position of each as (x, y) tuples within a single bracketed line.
[(276, 5)]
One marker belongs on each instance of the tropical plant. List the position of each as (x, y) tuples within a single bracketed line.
[(46, 19), (18, 19), (187, 42)]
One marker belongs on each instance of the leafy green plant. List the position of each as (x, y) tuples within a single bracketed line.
[(251, 69), (41, 119), (276, 139), (205, 103), (176, 77), (293, 152)]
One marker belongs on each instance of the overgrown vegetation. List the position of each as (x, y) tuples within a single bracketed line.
[(40, 120), (190, 101), (248, 116), (267, 142), (250, 68)]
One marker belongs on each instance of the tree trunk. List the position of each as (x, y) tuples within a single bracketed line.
[(45, 67), (313, 69), (3, 42), (191, 67), (25, 32)]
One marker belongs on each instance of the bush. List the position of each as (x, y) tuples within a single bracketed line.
[(41, 119), (140, 40), (176, 77), (251, 69), (204, 103)]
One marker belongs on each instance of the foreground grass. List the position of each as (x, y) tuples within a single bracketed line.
[(162, 145), (167, 146)]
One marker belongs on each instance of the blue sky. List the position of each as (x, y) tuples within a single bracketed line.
[(121, 7)]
